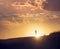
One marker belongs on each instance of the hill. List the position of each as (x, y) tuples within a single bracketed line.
[(45, 42)]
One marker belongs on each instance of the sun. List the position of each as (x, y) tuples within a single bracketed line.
[(38, 33), (37, 36)]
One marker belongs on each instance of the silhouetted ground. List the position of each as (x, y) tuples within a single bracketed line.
[(45, 42)]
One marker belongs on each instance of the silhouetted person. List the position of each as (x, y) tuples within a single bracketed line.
[(35, 32)]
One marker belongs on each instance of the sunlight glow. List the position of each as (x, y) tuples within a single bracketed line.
[(37, 32)]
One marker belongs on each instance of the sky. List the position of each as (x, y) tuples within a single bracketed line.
[(19, 18)]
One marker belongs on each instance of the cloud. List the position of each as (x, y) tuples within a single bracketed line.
[(22, 2), (20, 6), (11, 8), (32, 2), (51, 5), (11, 18), (17, 14), (7, 12), (17, 10)]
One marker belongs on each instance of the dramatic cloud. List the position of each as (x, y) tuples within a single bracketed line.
[(15, 10), (17, 14), (18, 6), (9, 9), (51, 5)]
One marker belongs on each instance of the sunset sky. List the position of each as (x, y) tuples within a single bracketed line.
[(19, 18)]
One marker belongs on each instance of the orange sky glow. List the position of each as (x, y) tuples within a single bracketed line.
[(20, 18)]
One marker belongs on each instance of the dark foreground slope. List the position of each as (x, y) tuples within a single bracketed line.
[(45, 42)]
